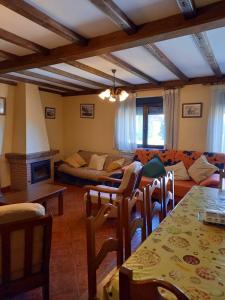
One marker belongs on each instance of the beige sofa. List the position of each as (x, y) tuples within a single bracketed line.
[(88, 174)]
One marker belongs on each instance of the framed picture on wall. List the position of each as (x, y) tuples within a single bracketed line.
[(87, 111), (50, 112), (2, 106), (191, 110)]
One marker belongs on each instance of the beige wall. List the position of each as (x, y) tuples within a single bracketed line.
[(54, 126), (97, 134), (36, 133), (69, 133), (6, 131), (193, 131), (90, 134), (7, 125)]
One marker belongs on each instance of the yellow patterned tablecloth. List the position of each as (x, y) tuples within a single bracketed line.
[(183, 250)]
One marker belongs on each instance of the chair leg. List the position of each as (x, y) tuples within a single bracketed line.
[(143, 217), (45, 292)]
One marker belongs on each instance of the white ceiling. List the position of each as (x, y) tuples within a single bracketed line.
[(85, 18), (183, 52)]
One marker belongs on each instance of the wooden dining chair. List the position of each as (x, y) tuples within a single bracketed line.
[(168, 192), (222, 178), (156, 196), (127, 196), (95, 258), (25, 234), (130, 289), (151, 203)]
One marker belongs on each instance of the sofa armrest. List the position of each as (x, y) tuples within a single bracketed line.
[(102, 189), (212, 181), (106, 178)]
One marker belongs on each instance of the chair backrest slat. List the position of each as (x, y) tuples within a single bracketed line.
[(9, 286), (6, 256), (28, 250)]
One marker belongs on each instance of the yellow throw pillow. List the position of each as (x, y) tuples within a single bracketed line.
[(79, 159), (97, 162), (116, 164), (72, 162), (75, 160)]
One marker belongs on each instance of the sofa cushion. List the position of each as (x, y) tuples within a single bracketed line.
[(128, 159), (180, 172), (201, 169), (144, 155), (75, 160), (114, 165), (154, 168), (97, 162), (181, 187)]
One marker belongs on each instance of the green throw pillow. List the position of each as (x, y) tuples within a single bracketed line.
[(154, 168)]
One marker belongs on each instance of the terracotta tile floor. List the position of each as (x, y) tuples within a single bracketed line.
[(68, 267)]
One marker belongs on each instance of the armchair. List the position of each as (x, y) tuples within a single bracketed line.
[(127, 195)]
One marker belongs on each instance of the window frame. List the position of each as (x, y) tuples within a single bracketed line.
[(147, 103)]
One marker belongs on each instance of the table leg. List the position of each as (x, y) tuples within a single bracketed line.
[(60, 203), (44, 203)]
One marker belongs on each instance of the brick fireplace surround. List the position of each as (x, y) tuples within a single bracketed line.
[(20, 168)]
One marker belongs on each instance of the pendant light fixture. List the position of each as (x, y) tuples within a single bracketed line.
[(114, 94)]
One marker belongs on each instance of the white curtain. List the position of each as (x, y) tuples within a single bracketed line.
[(125, 124), (171, 107), (216, 123)]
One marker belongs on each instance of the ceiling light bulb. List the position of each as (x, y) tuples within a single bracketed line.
[(107, 93), (123, 95), (102, 95), (112, 99)]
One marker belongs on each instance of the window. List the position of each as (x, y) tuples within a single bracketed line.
[(150, 122)]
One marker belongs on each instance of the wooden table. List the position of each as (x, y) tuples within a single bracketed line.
[(36, 194), (183, 250)]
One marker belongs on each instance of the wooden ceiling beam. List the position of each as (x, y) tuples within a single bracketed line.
[(19, 41), (109, 8), (188, 10), (202, 42), (163, 85), (42, 89), (8, 55), (9, 82), (35, 82), (209, 17), (51, 79), (96, 72), (30, 12), (164, 60), (73, 76), (129, 68)]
